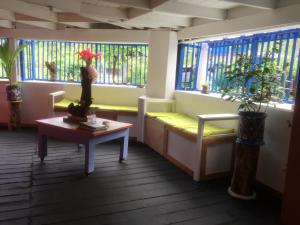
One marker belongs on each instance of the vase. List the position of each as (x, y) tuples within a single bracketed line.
[(251, 128), (13, 93), (250, 138)]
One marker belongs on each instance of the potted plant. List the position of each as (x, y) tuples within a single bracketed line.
[(205, 89), (253, 82), (52, 69), (8, 58)]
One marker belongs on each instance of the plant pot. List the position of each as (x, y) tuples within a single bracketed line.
[(205, 90), (250, 137), (13, 93), (251, 128), (244, 171)]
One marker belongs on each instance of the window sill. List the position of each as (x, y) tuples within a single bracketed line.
[(273, 105), (78, 84)]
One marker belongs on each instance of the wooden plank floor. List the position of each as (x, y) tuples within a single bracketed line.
[(145, 189)]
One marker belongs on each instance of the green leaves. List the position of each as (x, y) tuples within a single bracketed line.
[(8, 58), (250, 82)]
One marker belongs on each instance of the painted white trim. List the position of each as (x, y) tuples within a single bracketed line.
[(93, 35)]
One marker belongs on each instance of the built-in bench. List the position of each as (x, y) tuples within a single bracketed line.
[(203, 150), (58, 105)]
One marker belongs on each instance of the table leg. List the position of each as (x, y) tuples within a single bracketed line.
[(42, 146), (124, 146), (89, 158)]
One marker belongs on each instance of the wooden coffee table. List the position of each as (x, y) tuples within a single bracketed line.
[(57, 128)]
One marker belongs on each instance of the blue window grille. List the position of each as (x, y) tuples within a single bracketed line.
[(2, 73), (222, 53), (119, 63), (187, 68)]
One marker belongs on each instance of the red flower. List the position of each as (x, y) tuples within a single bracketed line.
[(87, 55)]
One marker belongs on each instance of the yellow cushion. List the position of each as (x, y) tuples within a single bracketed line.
[(188, 124), (64, 103), (120, 108)]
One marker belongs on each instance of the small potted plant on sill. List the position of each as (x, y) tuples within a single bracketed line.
[(8, 59), (52, 69), (253, 82), (205, 89)]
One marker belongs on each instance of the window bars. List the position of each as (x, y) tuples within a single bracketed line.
[(119, 64), (222, 53)]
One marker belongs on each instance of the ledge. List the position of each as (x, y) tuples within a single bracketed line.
[(78, 84), (273, 105)]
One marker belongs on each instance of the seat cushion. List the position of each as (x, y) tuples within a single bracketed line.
[(188, 124), (119, 108), (63, 103)]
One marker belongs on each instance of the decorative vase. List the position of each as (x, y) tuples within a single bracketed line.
[(250, 138), (251, 128), (13, 93)]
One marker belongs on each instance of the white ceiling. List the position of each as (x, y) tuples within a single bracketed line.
[(127, 14)]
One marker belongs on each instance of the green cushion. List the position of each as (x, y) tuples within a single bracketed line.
[(63, 103), (120, 108), (188, 124)]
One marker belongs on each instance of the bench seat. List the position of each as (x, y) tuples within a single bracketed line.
[(63, 105), (175, 136), (58, 105), (188, 124)]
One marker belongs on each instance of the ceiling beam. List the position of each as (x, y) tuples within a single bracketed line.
[(133, 12), (156, 3), (78, 24), (155, 19), (279, 17), (102, 12), (261, 4), (6, 24), (140, 4), (32, 10), (64, 5), (191, 10), (72, 17), (39, 24), (7, 15)]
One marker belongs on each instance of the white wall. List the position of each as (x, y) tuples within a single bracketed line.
[(35, 97), (273, 155)]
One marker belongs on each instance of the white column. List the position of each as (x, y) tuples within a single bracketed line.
[(202, 66), (162, 64)]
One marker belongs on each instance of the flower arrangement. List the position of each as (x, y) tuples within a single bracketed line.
[(88, 56)]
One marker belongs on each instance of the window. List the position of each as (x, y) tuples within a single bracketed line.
[(217, 55), (119, 64), (2, 73), (189, 55)]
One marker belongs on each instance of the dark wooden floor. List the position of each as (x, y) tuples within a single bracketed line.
[(145, 189)]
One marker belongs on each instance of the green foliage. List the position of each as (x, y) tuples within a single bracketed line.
[(8, 58), (252, 83)]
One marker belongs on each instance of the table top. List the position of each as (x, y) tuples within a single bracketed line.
[(58, 123)]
